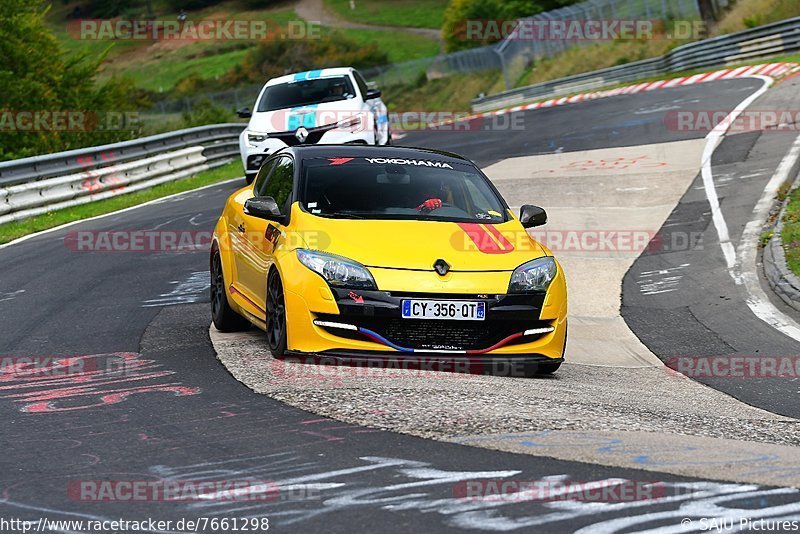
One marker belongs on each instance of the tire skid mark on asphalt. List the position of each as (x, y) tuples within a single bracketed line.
[(193, 289), (63, 384), (662, 281), (5, 297), (490, 501)]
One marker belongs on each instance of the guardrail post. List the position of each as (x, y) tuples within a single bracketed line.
[(505, 69)]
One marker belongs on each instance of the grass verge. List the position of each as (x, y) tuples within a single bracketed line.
[(398, 45), (14, 230), (790, 235), (450, 93), (751, 13), (582, 59), (413, 13)]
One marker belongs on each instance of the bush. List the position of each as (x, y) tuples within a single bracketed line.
[(282, 56), (103, 9), (37, 76), (259, 4), (204, 111), (189, 5)]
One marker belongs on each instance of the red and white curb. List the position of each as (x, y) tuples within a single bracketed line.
[(773, 70)]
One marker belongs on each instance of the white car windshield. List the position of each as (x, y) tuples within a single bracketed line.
[(306, 92)]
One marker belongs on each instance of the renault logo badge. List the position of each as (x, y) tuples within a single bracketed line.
[(301, 134), (442, 267)]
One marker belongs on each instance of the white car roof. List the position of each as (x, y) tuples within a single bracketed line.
[(310, 75)]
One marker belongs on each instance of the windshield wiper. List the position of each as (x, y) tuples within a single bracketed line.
[(342, 215)]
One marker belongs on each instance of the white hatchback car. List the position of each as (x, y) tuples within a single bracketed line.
[(328, 106)]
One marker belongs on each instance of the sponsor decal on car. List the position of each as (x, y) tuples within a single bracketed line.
[(417, 162), (487, 238), (339, 161)]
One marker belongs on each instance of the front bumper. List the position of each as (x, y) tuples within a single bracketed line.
[(358, 326), (519, 365)]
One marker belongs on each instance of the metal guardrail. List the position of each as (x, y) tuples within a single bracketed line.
[(517, 52), (36, 185), (764, 41)]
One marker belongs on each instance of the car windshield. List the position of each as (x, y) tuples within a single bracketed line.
[(391, 188), (306, 92)]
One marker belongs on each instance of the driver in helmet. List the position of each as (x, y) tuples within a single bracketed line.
[(337, 89)]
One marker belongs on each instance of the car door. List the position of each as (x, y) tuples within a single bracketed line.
[(243, 243), (262, 236)]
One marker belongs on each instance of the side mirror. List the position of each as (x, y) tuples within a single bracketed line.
[(262, 208), (372, 94), (244, 113), (531, 216)]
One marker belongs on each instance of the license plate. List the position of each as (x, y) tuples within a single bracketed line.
[(458, 310)]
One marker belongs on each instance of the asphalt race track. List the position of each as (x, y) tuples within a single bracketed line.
[(178, 414), (701, 313)]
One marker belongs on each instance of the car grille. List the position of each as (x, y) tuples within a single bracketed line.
[(439, 334), (314, 135)]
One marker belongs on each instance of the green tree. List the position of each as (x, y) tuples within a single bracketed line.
[(38, 77)]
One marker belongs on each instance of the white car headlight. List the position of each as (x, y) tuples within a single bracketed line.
[(338, 271), (256, 137), (352, 123), (534, 275)]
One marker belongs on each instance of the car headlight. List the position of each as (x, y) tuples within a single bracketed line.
[(352, 123), (338, 271), (256, 137), (534, 275)]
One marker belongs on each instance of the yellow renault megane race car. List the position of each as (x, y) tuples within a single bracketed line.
[(362, 254)]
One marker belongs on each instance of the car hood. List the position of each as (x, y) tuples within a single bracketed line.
[(311, 116), (419, 244)]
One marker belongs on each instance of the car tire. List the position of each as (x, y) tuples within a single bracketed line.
[(224, 317), (276, 315)]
